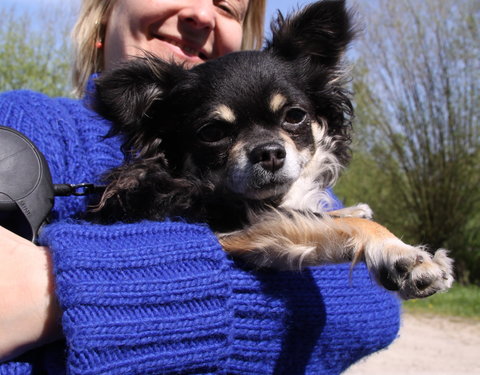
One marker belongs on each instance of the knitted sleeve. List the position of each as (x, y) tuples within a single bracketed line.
[(152, 298)]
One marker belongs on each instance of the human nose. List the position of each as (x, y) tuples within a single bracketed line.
[(199, 14)]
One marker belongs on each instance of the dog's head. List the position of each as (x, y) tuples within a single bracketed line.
[(252, 122)]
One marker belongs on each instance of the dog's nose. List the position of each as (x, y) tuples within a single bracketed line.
[(271, 156)]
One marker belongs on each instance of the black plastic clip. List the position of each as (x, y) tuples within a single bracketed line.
[(78, 190)]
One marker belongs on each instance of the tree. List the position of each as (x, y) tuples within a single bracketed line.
[(35, 50), (417, 87)]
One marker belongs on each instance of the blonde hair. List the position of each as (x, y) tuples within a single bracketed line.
[(90, 28)]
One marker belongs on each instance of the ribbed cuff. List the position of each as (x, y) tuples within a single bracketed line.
[(141, 298), (15, 368)]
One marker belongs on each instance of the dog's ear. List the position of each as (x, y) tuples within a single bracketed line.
[(129, 94), (320, 32), (313, 41)]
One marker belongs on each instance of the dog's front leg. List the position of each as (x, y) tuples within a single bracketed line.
[(293, 240)]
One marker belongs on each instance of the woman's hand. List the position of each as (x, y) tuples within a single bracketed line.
[(29, 312)]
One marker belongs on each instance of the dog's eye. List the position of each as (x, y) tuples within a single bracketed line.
[(213, 132), (295, 116)]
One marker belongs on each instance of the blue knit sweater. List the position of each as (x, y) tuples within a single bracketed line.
[(163, 298)]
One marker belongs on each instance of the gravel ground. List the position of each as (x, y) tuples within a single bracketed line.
[(427, 345)]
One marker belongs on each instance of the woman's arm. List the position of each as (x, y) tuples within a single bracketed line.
[(164, 297), (29, 313)]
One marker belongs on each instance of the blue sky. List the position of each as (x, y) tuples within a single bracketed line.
[(284, 5)]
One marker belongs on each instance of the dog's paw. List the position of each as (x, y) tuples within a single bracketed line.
[(361, 210), (412, 271)]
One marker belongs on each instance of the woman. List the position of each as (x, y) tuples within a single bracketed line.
[(162, 297)]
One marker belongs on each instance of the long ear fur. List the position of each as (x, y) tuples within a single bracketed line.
[(130, 94), (145, 188), (321, 32)]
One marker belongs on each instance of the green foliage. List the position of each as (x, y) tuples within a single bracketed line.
[(34, 51), (366, 182), (417, 91), (462, 301)]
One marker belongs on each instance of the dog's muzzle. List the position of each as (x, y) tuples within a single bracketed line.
[(264, 170), (269, 156)]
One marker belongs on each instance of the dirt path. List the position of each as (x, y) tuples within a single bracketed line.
[(427, 345)]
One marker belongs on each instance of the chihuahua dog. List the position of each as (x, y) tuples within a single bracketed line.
[(250, 143)]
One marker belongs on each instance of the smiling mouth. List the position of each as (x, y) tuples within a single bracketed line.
[(189, 51)]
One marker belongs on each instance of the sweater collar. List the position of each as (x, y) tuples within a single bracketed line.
[(89, 94)]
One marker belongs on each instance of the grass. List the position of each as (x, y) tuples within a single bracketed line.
[(460, 301)]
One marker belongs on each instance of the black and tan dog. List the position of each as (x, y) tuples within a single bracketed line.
[(248, 143)]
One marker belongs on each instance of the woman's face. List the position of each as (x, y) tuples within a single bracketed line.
[(190, 31)]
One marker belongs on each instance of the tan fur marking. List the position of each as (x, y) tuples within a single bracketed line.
[(277, 102), (286, 137), (318, 134), (238, 150), (304, 154), (224, 113)]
